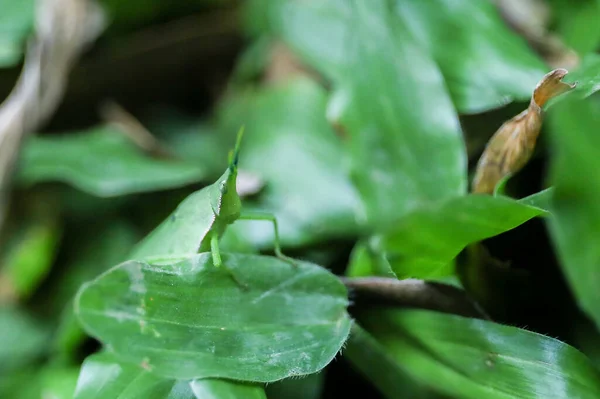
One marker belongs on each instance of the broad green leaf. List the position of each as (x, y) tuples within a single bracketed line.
[(575, 227), (403, 157), (23, 338), (423, 243), (485, 65), (103, 162), (16, 22), (192, 320), (103, 376), (291, 146), (325, 44), (469, 358)]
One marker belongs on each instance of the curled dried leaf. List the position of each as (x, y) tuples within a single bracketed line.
[(511, 147)]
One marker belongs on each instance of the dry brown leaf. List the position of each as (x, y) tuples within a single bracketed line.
[(511, 147)]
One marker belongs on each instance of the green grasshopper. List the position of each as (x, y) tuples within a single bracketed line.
[(201, 219), (227, 208)]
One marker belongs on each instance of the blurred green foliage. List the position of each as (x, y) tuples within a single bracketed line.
[(358, 117)]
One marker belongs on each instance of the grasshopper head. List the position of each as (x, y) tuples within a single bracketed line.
[(225, 199)]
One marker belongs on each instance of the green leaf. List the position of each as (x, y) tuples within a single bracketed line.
[(24, 383), (576, 23), (58, 382), (469, 358), (30, 252), (98, 251), (210, 388), (192, 320), (291, 146), (587, 79), (23, 338), (587, 76), (102, 162), (424, 242), (253, 61), (485, 65), (367, 259), (540, 200), (402, 156), (374, 362), (103, 376), (16, 22), (575, 225), (193, 140), (325, 45)]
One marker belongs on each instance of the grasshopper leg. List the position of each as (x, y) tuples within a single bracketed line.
[(218, 262), (270, 218)]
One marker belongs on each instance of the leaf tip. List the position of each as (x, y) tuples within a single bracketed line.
[(552, 86)]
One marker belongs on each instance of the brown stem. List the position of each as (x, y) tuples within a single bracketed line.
[(415, 293)]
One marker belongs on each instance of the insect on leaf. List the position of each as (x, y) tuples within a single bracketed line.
[(511, 147), (186, 230)]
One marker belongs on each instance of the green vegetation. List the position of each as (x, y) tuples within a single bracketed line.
[(150, 252)]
